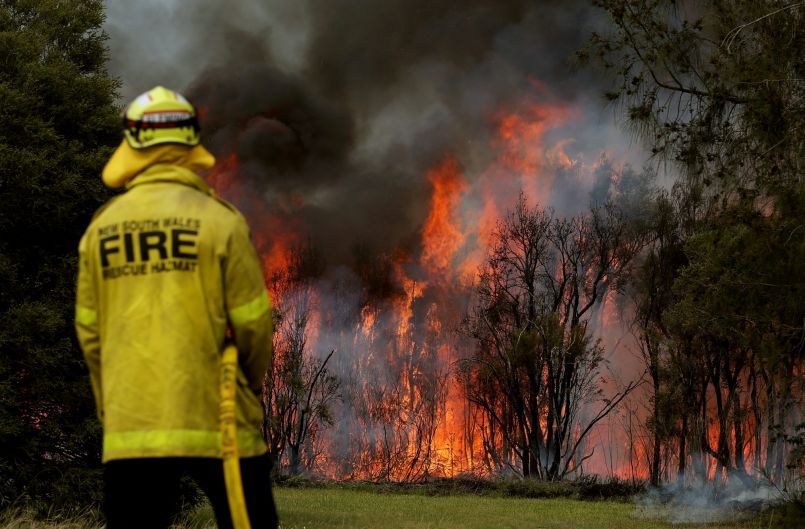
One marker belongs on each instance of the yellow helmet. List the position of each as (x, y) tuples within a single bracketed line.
[(160, 116)]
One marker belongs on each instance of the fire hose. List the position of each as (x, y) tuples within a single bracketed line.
[(229, 442)]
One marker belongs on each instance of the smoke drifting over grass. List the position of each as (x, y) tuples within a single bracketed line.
[(706, 502)]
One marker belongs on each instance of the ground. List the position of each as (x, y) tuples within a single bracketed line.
[(311, 508), (327, 508)]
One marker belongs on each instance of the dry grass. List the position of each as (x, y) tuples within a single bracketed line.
[(17, 519)]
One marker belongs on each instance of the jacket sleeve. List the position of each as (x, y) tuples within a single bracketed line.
[(86, 322), (248, 306)]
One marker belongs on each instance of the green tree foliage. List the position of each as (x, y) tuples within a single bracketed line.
[(714, 85), (651, 294), (57, 122), (718, 88)]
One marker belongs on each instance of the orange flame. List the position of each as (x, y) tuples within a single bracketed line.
[(442, 236), (414, 331), (523, 150), (274, 236)]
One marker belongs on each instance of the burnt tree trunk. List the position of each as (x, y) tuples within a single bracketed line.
[(683, 456), (654, 369)]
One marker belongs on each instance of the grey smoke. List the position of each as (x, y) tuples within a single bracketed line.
[(706, 502), (336, 109), (341, 106)]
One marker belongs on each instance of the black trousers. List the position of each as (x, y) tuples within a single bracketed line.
[(144, 493)]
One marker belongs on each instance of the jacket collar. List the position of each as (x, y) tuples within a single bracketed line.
[(170, 173)]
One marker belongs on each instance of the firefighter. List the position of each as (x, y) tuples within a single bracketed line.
[(167, 274)]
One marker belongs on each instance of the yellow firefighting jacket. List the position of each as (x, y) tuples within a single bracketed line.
[(165, 268)]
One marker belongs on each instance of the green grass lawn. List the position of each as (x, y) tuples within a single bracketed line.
[(312, 508), (332, 508)]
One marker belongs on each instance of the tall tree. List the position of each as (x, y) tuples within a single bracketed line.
[(300, 389), (537, 367), (716, 88), (57, 121), (652, 294)]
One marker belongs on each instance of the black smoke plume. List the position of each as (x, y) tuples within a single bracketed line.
[(336, 109)]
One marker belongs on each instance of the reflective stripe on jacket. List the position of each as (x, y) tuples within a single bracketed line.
[(164, 270)]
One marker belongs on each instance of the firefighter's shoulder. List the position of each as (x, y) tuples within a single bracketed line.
[(99, 213), (228, 205), (105, 206), (238, 216), (94, 223)]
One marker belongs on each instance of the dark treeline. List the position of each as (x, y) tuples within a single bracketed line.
[(58, 122), (716, 91)]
